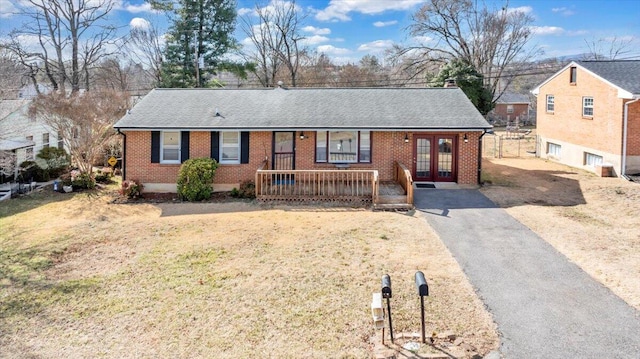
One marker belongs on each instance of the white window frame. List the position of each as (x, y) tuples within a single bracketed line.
[(592, 160), (509, 108), (551, 103), (223, 146), (163, 147), (45, 139), (356, 146), (554, 150), (586, 107)]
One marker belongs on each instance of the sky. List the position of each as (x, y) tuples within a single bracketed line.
[(346, 30)]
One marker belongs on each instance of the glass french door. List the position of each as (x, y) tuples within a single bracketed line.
[(434, 158)]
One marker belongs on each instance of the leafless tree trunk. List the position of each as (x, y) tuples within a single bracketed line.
[(85, 121), (61, 25), (144, 46), (277, 40), (491, 40)]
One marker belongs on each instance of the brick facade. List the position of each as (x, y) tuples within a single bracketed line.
[(386, 147), (600, 134), (521, 110)]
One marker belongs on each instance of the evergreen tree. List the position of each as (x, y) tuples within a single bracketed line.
[(469, 80), (201, 33)]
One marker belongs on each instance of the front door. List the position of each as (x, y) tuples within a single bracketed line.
[(434, 158), (283, 151)]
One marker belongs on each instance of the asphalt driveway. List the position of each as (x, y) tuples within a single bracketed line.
[(544, 305)]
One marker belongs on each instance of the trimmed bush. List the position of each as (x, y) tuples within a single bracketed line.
[(131, 189), (82, 180), (195, 179), (247, 190), (30, 171), (57, 160)]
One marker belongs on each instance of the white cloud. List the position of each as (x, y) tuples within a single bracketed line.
[(317, 30), (314, 40), (332, 50), (340, 9), (546, 30), (376, 46), (385, 23), (563, 10), (134, 9), (422, 39), (244, 11), (7, 9), (522, 9), (139, 23), (577, 32)]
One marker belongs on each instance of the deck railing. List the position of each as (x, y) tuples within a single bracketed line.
[(317, 185), (402, 175)]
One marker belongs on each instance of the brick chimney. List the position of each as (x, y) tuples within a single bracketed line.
[(450, 83)]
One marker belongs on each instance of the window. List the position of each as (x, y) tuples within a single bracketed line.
[(45, 140), (29, 154), (230, 147), (509, 108), (170, 147), (587, 106), (60, 140), (573, 73), (321, 146), (550, 103), (553, 149), (343, 146), (592, 160)]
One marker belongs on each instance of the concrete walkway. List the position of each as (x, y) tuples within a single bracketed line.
[(544, 305)]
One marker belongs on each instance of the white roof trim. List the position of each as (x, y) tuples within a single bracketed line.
[(622, 93)]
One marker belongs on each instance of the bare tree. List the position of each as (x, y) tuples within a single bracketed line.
[(607, 49), (491, 40), (61, 26), (85, 121), (144, 44), (12, 73), (277, 40)]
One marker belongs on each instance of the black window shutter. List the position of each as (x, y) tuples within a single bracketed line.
[(215, 146), (244, 147), (155, 146), (184, 146)]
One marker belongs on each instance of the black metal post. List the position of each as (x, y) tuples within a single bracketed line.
[(390, 326), (422, 314)]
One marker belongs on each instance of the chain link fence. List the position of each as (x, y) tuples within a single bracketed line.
[(509, 143)]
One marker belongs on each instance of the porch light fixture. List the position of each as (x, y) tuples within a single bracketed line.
[(465, 139), (302, 136), (406, 138)]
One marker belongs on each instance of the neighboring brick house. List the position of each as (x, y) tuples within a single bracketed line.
[(512, 109), (434, 132), (589, 116)]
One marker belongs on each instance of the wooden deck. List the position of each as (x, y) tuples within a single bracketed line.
[(343, 185)]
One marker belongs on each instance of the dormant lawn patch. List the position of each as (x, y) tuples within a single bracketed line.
[(84, 277)]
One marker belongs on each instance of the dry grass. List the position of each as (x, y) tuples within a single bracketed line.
[(83, 277), (591, 220)]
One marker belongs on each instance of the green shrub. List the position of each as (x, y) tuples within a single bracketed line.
[(247, 190), (57, 160), (30, 171), (131, 188), (104, 175), (195, 179), (82, 180)]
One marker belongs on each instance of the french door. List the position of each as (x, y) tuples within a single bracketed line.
[(435, 158)]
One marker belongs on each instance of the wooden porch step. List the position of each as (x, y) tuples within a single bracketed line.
[(392, 199), (392, 207)]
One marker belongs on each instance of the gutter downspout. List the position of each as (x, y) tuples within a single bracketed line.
[(623, 162), (484, 132), (124, 154)]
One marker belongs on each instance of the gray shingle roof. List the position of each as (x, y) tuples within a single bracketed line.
[(509, 98), (622, 73), (303, 108)]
